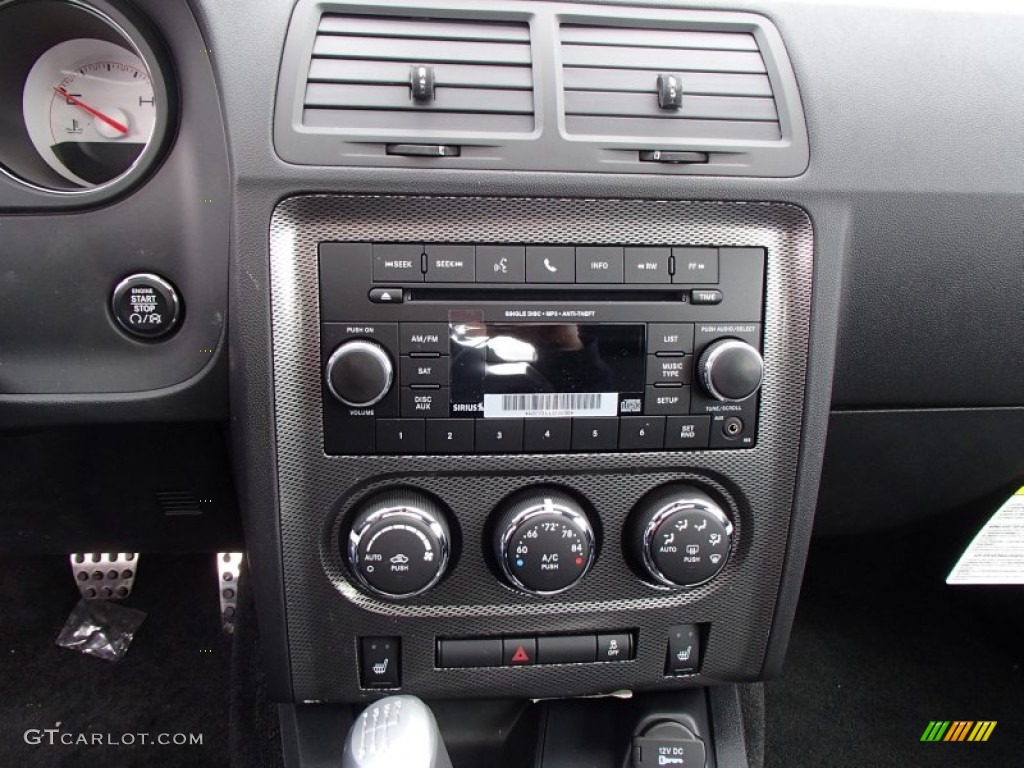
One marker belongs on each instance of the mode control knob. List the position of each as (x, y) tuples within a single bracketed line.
[(730, 370), (544, 541), (360, 373), (681, 536), (398, 544)]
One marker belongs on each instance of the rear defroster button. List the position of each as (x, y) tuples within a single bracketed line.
[(146, 306)]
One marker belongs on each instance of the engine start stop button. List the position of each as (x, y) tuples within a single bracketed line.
[(146, 306)]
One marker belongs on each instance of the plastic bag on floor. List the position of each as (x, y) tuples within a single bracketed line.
[(100, 628)]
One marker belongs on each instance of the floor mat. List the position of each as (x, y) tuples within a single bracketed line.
[(171, 686), (882, 647)]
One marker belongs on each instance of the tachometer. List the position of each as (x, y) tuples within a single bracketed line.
[(89, 110)]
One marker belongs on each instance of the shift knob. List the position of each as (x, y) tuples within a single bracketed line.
[(396, 732)]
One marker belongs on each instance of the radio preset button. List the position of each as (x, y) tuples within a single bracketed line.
[(423, 338), (542, 435), (397, 263), (598, 264), (669, 370), (595, 434), (647, 265), (501, 264), (639, 433), (499, 435), (400, 436), (450, 436), (424, 370), (695, 265), (550, 264), (675, 338), (687, 432), (667, 401), (451, 263), (424, 403)]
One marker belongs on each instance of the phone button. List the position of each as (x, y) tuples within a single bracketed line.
[(550, 264)]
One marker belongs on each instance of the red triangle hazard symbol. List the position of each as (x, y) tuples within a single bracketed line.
[(520, 656)]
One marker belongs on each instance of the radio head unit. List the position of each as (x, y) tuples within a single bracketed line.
[(488, 349)]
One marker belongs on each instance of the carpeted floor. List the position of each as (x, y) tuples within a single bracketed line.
[(882, 646), (173, 680)]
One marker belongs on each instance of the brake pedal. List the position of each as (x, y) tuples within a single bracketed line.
[(104, 575), (229, 564)]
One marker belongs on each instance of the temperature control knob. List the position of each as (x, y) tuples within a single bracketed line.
[(360, 373), (730, 370), (544, 541), (681, 536), (398, 544)]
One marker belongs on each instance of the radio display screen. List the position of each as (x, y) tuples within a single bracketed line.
[(535, 370)]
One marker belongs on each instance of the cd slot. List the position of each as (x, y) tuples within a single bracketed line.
[(559, 294)]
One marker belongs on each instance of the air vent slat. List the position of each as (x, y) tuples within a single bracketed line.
[(663, 59), (358, 82), (644, 81), (397, 97), (646, 105), (397, 73), (656, 38), (610, 80), (433, 125), (655, 129), (382, 26), (413, 51)]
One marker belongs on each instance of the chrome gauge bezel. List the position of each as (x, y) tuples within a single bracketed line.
[(20, 160)]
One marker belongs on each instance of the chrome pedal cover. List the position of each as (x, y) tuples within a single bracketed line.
[(229, 564), (104, 575)]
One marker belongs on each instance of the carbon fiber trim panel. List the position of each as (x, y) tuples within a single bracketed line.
[(326, 613)]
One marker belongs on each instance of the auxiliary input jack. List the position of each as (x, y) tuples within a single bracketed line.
[(732, 427)]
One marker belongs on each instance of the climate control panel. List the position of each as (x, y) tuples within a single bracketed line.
[(543, 540)]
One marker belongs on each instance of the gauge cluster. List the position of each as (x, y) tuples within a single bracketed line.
[(95, 93)]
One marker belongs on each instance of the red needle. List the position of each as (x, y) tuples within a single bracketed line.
[(94, 112)]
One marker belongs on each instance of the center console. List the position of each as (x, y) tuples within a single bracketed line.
[(534, 447)]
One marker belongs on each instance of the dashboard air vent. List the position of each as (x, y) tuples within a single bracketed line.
[(473, 77), (611, 85)]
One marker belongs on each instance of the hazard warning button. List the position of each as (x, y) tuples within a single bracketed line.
[(519, 651)]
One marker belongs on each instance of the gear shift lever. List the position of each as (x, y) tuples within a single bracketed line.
[(396, 732)]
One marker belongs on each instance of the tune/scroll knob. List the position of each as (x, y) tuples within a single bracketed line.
[(680, 536), (544, 541), (399, 543), (360, 373), (730, 370)]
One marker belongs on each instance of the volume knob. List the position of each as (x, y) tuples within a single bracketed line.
[(730, 370), (360, 373)]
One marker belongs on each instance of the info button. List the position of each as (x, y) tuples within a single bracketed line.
[(598, 265)]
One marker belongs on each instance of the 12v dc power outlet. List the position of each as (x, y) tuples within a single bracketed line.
[(146, 306), (668, 743)]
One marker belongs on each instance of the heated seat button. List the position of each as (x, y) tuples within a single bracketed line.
[(519, 651), (469, 653), (567, 649), (380, 660), (146, 306), (614, 647), (683, 650)]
